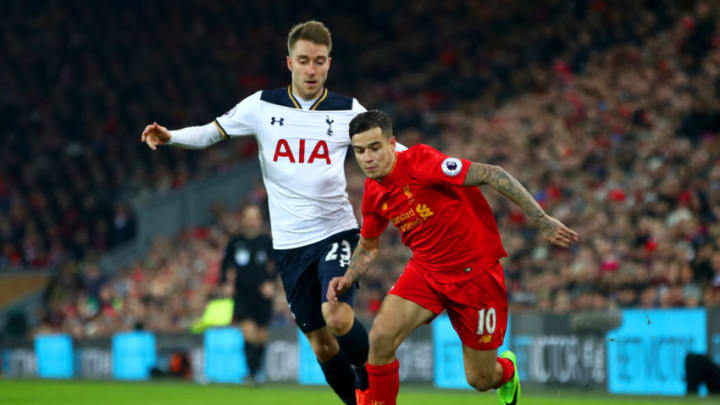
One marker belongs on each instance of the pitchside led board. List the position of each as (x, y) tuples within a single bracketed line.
[(224, 355), (713, 322), (54, 355), (309, 371), (646, 355), (133, 355), (448, 357)]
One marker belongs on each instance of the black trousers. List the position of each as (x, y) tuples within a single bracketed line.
[(699, 368)]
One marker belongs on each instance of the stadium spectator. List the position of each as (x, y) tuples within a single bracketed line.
[(609, 108)]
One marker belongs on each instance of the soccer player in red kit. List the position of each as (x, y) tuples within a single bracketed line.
[(443, 217)]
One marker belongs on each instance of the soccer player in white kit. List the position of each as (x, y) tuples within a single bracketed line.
[(302, 133)]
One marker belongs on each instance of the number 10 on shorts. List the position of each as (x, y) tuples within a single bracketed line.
[(486, 322)]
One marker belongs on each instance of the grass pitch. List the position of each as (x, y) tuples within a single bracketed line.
[(74, 392)]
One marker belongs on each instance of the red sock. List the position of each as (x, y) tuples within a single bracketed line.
[(508, 371), (384, 383)]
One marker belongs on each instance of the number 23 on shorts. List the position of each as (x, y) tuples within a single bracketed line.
[(343, 256)]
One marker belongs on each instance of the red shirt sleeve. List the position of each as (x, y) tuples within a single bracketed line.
[(431, 166), (373, 224)]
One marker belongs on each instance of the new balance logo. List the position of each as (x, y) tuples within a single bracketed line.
[(280, 121)]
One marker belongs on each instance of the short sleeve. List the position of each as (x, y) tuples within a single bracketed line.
[(431, 166), (239, 120), (373, 224)]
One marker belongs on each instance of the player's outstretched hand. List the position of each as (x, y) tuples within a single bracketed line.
[(557, 233), (155, 135), (337, 286)]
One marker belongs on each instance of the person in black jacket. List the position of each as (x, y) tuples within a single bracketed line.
[(247, 265)]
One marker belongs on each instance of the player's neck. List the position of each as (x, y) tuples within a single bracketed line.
[(312, 97)]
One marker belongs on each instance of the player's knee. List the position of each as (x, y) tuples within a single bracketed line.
[(339, 323), (382, 342), (479, 381)]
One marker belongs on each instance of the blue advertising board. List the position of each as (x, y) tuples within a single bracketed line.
[(224, 355), (133, 355), (646, 355), (54, 355), (521, 346), (309, 371), (448, 356)]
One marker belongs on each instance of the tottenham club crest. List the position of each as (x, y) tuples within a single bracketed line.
[(329, 122), (451, 167)]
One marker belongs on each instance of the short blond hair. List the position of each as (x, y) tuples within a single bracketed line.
[(313, 31)]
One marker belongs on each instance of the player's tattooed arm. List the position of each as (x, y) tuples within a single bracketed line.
[(499, 179), (362, 257)]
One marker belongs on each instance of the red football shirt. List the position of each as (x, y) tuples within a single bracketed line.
[(449, 227)]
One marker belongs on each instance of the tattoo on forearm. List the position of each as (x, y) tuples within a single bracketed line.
[(502, 181), (478, 174), (359, 263)]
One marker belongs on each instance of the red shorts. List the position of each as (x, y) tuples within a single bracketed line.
[(477, 308)]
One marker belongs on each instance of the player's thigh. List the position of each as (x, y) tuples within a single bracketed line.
[(303, 295), (409, 303), (323, 343), (478, 311), (397, 318), (333, 262)]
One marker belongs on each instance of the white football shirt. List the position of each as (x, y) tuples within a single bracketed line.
[(302, 156)]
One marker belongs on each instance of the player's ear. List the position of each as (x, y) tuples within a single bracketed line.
[(289, 63), (392, 142), (329, 62)]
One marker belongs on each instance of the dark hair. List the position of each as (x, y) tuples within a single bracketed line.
[(313, 31), (369, 120)]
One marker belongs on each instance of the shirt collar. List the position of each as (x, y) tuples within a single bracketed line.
[(313, 104)]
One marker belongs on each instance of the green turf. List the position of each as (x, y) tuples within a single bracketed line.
[(28, 392)]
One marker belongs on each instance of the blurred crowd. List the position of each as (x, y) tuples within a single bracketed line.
[(164, 292), (606, 110), (626, 151), (80, 80)]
